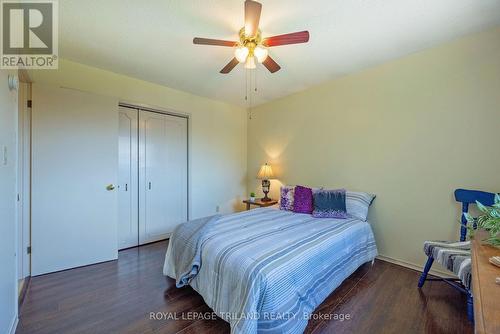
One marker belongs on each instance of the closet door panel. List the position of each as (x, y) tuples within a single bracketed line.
[(155, 173), (163, 175), (128, 192), (176, 182)]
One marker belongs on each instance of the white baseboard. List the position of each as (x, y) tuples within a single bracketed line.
[(13, 325), (434, 271)]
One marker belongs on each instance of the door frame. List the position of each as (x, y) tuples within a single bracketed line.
[(24, 180), (187, 116)]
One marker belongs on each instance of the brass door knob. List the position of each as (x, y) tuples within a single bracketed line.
[(110, 187)]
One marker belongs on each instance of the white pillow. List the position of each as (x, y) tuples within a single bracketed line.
[(357, 204)]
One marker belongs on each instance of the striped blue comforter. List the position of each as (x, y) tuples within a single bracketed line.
[(266, 270)]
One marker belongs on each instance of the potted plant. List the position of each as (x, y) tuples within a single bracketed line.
[(252, 197), (489, 221)]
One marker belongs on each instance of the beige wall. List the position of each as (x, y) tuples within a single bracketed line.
[(217, 130), (411, 131)]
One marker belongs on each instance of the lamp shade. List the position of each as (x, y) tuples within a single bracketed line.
[(265, 173)]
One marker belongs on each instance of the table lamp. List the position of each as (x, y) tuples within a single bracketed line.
[(265, 173)]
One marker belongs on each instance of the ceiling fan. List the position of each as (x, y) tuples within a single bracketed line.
[(251, 45)]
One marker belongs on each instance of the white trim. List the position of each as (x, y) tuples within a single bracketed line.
[(153, 108), (17, 263), (13, 324), (23, 204), (26, 191), (419, 268)]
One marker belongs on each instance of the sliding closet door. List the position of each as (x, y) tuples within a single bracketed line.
[(128, 178), (74, 170), (162, 174)]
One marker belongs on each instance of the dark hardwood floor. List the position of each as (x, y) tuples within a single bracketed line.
[(119, 296)]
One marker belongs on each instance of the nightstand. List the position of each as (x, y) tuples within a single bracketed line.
[(258, 202)]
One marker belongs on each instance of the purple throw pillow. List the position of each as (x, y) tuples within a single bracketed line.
[(302, 200), (286, 198)]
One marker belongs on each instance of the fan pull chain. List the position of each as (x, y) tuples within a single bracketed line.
[(246, 85), (255, 84), (250, 91), (248, 99)]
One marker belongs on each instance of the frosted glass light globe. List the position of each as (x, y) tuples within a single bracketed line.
[(260, 53), (241, 53)]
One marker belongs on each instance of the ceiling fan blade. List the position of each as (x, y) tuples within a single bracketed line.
[(293, 38), (252, 17), (229, 67), (216, 42), (271, 65)]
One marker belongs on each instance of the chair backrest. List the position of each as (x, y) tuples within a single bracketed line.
[(467, 197)]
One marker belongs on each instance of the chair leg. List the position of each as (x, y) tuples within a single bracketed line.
[(470, 307), (427, 267)]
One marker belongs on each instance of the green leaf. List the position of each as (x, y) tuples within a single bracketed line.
[(489, 221), (468, 217)]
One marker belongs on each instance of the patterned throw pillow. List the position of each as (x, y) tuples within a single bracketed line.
[(330, 204), (286, 198), (358, 203), (302, 200)]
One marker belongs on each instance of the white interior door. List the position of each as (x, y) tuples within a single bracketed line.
[(162, 174), (74, 159), (128, 178)]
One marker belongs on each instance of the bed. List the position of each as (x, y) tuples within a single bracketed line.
[(266, 270)]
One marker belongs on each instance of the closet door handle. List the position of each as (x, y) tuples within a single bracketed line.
[(126, 186), (149, 186)]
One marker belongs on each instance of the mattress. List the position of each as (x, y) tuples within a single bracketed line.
[(266, 270)]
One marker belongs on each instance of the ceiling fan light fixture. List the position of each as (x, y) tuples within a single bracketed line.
[(260, 53), (250, 63), (252, 48), (241, 53)]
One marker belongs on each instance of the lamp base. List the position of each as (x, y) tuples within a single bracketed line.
[(266, 199), (266, 184)]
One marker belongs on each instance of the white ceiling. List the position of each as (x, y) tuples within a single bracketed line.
[(152, 39)]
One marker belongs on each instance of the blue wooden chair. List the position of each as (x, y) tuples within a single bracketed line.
[(455, 256)]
